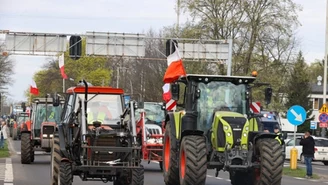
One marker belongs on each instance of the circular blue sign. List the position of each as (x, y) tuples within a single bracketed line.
[(323, 118), (296, 115)]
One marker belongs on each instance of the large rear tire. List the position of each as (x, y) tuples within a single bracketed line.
[(14, 133), (26, 148), (193, 160), (170, 158), (271, 162), (55, 161)]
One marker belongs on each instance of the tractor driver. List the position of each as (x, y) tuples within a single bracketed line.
[(97, 113)]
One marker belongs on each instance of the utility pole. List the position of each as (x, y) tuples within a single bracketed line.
[(178, 16), (323, 131)]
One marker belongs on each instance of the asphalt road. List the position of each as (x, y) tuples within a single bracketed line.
[(38, 173)]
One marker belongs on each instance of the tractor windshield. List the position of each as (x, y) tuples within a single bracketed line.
[(46, 113), (153, 111), (220, 96), (106, 108)]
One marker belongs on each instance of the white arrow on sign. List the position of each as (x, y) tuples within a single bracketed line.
[(298, 117)]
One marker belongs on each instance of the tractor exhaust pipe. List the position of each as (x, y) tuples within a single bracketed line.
[(133, 123)]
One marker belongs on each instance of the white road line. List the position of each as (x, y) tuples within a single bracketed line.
[(9, 175)]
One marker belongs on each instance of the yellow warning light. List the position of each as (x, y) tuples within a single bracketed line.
[(254, 74)]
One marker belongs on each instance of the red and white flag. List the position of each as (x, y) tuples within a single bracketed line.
[(166, 92), (33, 88), (61, 66), (175, 67)]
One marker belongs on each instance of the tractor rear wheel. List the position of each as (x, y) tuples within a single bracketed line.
[(26, 148), (14, 134), (271, 162), (193, 160), (170, 158), (55, 161)]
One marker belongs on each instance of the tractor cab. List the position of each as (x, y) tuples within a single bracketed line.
[(206, 96), (45, 117), (105, 105)]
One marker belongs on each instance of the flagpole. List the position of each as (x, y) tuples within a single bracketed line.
[(63, 85)]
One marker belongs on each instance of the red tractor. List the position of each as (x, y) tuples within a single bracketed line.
[(37, 133), (151, 117)]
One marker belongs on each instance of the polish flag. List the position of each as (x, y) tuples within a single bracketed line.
[(61, 66), (166, 92), (175, 67), (33, 88)]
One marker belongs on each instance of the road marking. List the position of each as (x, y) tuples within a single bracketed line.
[(36, 153), (9, 175)]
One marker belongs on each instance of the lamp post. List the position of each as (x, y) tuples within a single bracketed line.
[(319, 83), (323, 131)]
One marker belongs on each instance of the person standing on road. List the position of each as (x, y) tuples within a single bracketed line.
[(308, 143), (3, 134)]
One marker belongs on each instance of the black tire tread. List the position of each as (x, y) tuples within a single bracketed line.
[(271, 160), (171, 177), (138, 176), (26, 149), (196, 160), (56, 158), (66, 176)]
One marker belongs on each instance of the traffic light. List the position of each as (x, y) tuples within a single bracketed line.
[(75, 47), (170, 48)]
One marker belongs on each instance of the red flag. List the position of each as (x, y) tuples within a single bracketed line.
[(61, 66), (166, 92), (33, 88), (175, 67)]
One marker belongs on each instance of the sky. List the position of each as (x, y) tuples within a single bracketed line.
[(123, 16)]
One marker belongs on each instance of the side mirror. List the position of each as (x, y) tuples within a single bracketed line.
[(140, 105), (163, 107), (175, 89), (55, 100), (268, 95), (24, 106), (284, 136)]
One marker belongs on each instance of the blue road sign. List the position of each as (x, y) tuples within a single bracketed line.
[(313, 125), (296, 115), (323, 118), (127, 99)]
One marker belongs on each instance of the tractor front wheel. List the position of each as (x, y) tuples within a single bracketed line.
[(193, 160), (271, 162), (55, 161), (66, 176), (26, 148), (170, 158)]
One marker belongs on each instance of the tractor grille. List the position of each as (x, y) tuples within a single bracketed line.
[(237, 125), (48, 129), (153, 129), (103, 156)]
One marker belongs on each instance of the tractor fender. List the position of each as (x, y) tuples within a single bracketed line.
[(24, 128), (170, 119), (65, 160), (262, 135)]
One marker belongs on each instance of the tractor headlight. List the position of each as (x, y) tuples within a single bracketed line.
[(225, 127), (228, 134), (245, 134), (246, 128)]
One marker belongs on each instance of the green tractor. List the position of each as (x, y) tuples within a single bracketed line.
[(215, 129)]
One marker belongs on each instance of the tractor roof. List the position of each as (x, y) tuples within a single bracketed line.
[(42, 100), (222, 78), (95, 90)]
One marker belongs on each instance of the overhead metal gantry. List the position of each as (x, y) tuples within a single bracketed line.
[(110, 44)]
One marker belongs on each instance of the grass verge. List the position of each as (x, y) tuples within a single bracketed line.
[(299, 172), (4, 152)]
